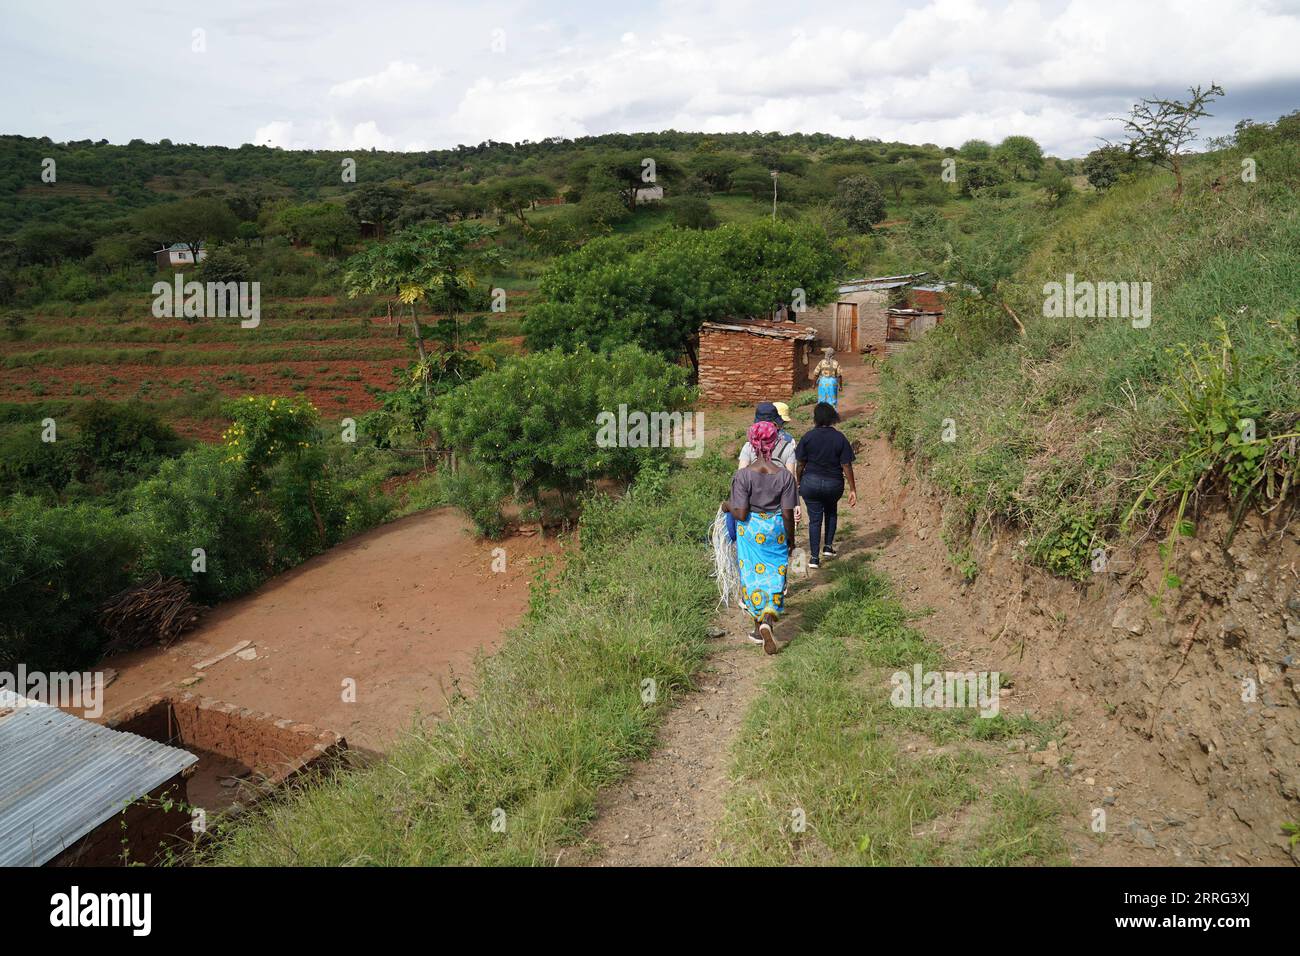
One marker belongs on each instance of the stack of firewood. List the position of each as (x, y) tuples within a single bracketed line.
[(155, 612)]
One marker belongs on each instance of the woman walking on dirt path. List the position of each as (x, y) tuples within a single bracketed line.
[(829, 378), (763, 498), (825, 466)]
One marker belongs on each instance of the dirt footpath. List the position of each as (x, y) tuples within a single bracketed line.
[(400, 610), (667, 811)]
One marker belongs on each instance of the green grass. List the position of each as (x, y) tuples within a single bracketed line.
[(1059, 432), (58, 358), (557, 713), (824, 746)]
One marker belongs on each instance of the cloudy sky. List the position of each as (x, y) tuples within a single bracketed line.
[(421, 75)]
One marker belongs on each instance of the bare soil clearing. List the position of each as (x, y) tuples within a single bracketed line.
[(402, 610)]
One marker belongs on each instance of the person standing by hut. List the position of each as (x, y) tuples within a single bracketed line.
[(829, 378), (763, 498)]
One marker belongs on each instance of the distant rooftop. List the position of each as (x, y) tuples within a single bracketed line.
[(881, 283), (62, 776)]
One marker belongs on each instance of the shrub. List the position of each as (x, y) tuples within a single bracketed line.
[(225, 265), (200, 501), (533, 423), (269, 498), (479, 497), (693, 212), (122, 436), (57, 565)]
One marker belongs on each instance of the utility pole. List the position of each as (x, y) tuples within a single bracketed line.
[(774, 195)]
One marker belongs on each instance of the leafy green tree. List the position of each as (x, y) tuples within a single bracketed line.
[(975, 149), (693, 212), (438, 267), (656, 291), (533, 423), (325, 226), (379, 203), (715, 169), (625, 172), (860, 201), (223, 264), (52, 243), (1020, 156), (754, 181), (1105, 166), (518, 193), (247, 232), (975, 176), (601, 206), (188, 221), (899, 176)]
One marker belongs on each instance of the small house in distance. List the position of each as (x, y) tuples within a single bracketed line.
[(178, 254), (859, 319), (648, 194), (744, 360)]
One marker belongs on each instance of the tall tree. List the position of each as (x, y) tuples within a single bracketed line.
[(1160, 129), (188, 221), (861, 203), (379, 203), (655, 292), (1020, 156), (518, 193), (437, 266)]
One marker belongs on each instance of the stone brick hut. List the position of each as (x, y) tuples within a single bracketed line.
[(864, 316), (750, 361)]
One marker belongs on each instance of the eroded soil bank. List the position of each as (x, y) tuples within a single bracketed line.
[(1182, 703), (1158, 728)]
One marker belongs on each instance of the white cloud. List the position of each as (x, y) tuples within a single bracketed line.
[(418, 73), (395, 80)]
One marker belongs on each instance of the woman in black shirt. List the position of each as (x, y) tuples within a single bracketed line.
[(825, 466)]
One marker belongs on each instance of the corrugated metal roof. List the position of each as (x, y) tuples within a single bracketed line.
[(783, 331), (61, 776), (881, 283)]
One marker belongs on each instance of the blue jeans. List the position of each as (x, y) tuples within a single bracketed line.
[(822, 496)]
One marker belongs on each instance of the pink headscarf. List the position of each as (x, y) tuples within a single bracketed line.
[(762, 438)]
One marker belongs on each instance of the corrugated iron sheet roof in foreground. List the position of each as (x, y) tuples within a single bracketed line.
[(61, 776)]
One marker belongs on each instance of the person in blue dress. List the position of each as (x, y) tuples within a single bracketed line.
[(763, 498), (829, 378)]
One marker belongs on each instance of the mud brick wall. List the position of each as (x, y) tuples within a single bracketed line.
[(821, 318), (741, 367), (136, 835), (872, 322), (926, 300), (275, 747)]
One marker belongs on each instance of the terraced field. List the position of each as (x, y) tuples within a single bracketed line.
[(186, 368)]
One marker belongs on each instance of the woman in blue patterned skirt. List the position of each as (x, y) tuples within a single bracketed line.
[(763, 498)]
